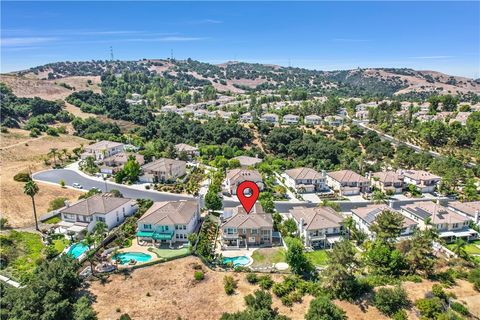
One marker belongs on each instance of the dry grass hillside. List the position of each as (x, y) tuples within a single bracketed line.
[(169, 291), (20, 153)]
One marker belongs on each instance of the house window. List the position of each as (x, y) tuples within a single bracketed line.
[(100, 219), (455, 225), (147, 226), (253, 231), (118, 218), (176, 227)]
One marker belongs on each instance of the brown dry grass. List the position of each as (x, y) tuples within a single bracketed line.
[(20, 153), (174, 294), (29, 87)]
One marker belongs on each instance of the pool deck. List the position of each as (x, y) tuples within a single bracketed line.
[(135, 247), (238, 252)]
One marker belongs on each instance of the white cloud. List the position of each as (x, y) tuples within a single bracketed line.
[(24, 41)]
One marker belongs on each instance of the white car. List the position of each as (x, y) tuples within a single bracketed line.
[(77, 185)]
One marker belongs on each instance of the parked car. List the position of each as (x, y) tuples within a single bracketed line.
[(77, 185)]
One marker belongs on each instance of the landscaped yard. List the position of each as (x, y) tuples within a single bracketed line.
[(318, 257), (267, 257), (470, 248), (60, 244), (168, 253)]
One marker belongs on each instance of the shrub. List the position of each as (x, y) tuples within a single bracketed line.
[(230, 285), (460, 308), (62, 183), (22, 177), (437, 291), (430, 308), (390, 300), (265, 282), (400, 315), (34, 132), (199, 275), (474, 277), (322, 308), (3, 223), (125, 316), (57, 203), (52, 132), (251, 278)]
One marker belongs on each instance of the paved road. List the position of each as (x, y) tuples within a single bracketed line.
[(70, 177)]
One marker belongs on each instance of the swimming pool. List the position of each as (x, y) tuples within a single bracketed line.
[(77, 250), (237, 261), (125, 257)]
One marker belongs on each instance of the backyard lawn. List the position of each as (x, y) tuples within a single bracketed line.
[(318, 257), (168, 253), (267, 257), (470, 248)]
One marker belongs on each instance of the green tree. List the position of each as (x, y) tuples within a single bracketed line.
[(289, 227), (418, 251), (53, 152), (31, 189), (339, 276), (259, 307), (321, 308), (379, 197), (390, 300), (458, 248), (387, 226), (131, 170), (295, 256), (82, 310), (212, 200)]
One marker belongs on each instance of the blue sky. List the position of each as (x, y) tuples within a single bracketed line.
[(442, 36)]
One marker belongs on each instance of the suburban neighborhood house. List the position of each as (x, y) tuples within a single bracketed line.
[(313, 119), (246, 161), (270, 118), (102, 149), (237, 176), (305, 180), (470, 210), (290, 119), (163, 170), (116, 162), (347, 182), (189, 150), (246, 230), (387, 181), (450, 224), (423, 180), (84, 214), (365, 217), (168, 222), (319, 227), (246, 117)]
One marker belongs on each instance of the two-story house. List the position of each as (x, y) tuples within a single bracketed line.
[(189, 150), (163, 170), (115, 163), (319, 227), (290, 119), (470, 210), (305, 180), (246, 117), (450, 224), (84, 214), (246, 230), (423, 180), (387, 181), (313, 119), (102, 149), (366, 216), (168, 222), (334, 121), (237, 176), (269, 117), (347, 182)]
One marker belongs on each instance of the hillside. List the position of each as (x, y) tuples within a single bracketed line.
[(240, 77)]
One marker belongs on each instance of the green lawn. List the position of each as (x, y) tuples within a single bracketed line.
[(168, 253), (470, 248), (21, 250), (53, 220), (318, 257), (60, 244), (268, 256)]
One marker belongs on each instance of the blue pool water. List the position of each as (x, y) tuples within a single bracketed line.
[(125, 257), (77, 250), (237, 261)]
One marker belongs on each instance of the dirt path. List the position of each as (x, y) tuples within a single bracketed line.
[(20, 143)]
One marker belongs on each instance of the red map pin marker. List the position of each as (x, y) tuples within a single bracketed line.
[(248, 201)]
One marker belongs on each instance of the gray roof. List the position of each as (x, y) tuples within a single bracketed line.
[(344, 176), (185, 147), (104, 144), (162, 164), (256, 219), (317, 218), (436, 212), (468, 208), (370, 213), (246, 161), (101, 204), (170, 212), (303, 173), (236, 175)]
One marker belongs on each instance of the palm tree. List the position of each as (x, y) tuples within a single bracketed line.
[(31, 189), (349, 224), (64, 154), (53, 153), (459, 248), (90, 241), (379, 197)]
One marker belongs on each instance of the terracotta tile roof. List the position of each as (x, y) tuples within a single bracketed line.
[(317, 218), (170, 212), (100, 203), (344, 176)]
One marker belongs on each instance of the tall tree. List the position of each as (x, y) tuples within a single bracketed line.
[(387, 226), (295, 256), (53, 152), (31, 189), (321, 308)]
